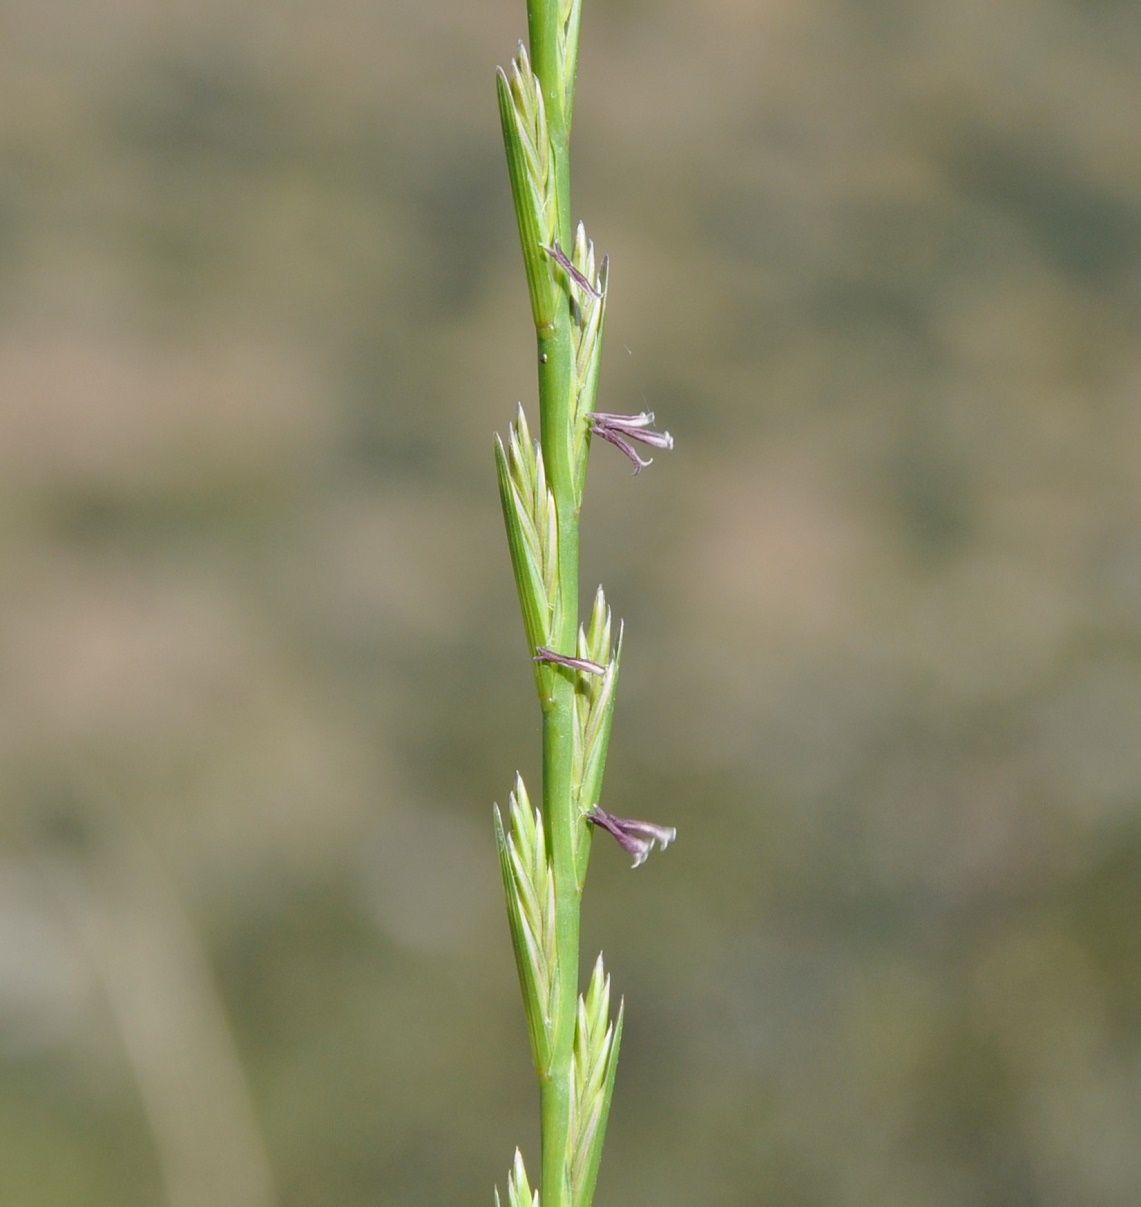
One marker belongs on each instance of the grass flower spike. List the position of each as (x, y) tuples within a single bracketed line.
[(544, 849)]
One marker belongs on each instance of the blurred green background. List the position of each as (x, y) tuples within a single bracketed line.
[(877, 266)]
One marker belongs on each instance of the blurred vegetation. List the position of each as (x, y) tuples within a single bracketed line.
[(877, 266)]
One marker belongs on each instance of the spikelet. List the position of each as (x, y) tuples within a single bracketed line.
[(519, 1193), (530, 165), (569, 17), (532, 529), (587, 316), (594, 1063), (530, 890), (594, 712)]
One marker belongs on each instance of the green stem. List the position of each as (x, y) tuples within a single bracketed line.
[(556, 383), (556, 408), (555, 386), (556, 1086)]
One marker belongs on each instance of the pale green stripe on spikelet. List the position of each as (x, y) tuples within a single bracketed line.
[(532, 529), (531, 166), (530, 890), (519, 1193), (594, 711), (594, 1063)]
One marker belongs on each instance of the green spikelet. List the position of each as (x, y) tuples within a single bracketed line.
[(530, 891), (595, 1061)]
